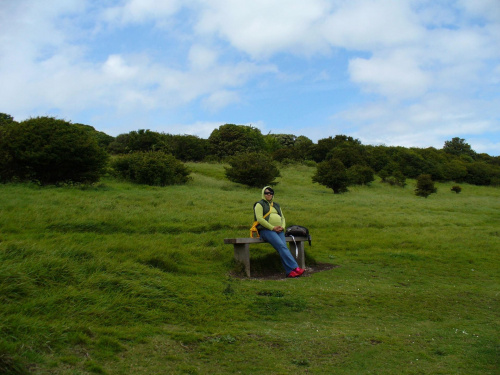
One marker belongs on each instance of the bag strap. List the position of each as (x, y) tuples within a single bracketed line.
[(269, 213), (253, 229), (296, 247)]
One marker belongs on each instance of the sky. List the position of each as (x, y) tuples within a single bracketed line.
[(411, 73)]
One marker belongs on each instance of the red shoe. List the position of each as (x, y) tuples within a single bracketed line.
[(294, 273), (300, 271)]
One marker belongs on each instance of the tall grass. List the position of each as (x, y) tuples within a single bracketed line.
[(120, 278)]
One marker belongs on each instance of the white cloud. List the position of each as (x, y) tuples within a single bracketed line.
[(201, 57), (397, 75), (426, 62), (139, 11), (428, 122), (53, 71), (489, 9), (262, 28), (220, 99), (116, 67), (367, 24)]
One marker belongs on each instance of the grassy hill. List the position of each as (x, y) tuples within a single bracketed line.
[(120, 279)]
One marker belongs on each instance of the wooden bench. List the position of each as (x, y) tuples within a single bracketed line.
[(242, 249)]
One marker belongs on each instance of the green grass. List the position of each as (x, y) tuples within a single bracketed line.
[(120, 278)]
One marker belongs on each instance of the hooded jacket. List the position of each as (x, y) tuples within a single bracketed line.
[(276, 218)]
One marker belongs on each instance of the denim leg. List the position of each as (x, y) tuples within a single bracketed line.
[(277, 240)]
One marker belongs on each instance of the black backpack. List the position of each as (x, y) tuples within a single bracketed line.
[(298, 231)]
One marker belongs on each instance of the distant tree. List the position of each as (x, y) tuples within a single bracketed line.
[(272, 143), (230, 139), (303, 148), (326, 145), (376, 157), (119, 145), (187, 147), (480, 173), (284, 140), (284, 154), (389, 170), (349, 154), (425, 186), (103, 139), (6, 119), (457, 189), (457, 146), (252, 169), (384, 175), (434, 161), (139, 140), (50, 151), (332, 174), (454, 170), (410, 163), (398, 179), (392, 178), (284, 149), (360, 175), (154, 168)]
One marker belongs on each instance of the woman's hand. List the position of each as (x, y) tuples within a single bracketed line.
[(278, 229)]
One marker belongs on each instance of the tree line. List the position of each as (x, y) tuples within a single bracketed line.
[(50, 150)]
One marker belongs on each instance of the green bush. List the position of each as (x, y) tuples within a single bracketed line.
[(332, 174), (151, 168), (50, 151), (425, 186), (252, 169), (396, 178), (360, 175), (457, 189)]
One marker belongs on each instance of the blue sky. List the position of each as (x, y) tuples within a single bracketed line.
[(410, 73)]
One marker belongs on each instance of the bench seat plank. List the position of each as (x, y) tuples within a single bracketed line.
[(259, 240), (242, 249)]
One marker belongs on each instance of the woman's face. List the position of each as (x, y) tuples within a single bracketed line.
[(269, 196)]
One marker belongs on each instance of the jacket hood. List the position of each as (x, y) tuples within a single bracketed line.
[(263, 190)]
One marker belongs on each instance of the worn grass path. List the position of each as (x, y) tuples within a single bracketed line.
[(120, 279)]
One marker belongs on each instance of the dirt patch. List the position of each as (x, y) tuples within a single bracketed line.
[(270, 275)]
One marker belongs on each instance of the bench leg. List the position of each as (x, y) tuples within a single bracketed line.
[(242, 254), (298, 253)]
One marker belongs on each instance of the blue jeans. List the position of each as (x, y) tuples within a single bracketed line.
[(277, 240)]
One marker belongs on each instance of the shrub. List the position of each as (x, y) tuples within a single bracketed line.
[(425, 186), (151, 168), (50, 151), (360, 175), (252, 169), (332, 174), (457, 189), (397, 178)]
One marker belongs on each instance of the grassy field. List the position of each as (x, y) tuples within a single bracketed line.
[(121, 279)]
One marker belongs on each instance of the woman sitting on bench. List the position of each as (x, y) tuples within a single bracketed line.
[(271, 229)]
